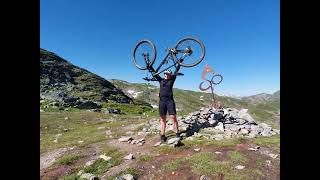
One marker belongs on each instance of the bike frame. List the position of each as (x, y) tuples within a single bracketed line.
[(170, 53)]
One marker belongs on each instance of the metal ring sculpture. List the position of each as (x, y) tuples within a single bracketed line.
[(211, 82)]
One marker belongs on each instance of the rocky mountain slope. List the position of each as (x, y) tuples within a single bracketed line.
[(62, 81), (263, 97)]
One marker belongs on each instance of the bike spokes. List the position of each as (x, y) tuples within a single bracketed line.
[(144, 54), (190, 50)]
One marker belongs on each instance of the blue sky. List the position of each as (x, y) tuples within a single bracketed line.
[(242, 38)]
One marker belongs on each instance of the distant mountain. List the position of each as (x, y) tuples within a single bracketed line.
[(60, 80), (262, 97)]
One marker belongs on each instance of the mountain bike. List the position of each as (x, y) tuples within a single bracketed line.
[(188, 52)]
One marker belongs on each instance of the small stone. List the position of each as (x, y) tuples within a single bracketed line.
[(119, 178), (108, 132), (173, 141), (128, 177), (217, 137), (268, 162), (203, 177), (80, 172), (244, 131), (153, 167), (55, 141), (65, 130), (197, 149), (240, 167), (124, 139), (89, 163), (129, 157), (273, 155), (140, 140), (133, 141), (157, 144), (129, 133), (106, 158), (217, 152), (66, 118), (220, 127), (172, 173), (80, 142), (101, 127), (88, 176)]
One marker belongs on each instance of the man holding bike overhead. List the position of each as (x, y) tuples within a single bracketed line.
[(166, 101), (184, 49)]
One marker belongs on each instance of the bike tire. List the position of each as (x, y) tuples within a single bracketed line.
[(154, 54), (197, 61), (221, 78)]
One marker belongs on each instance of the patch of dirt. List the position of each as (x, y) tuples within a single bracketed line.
[(47, 159)]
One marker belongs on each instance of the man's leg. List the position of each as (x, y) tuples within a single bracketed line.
[(163, 124), (174, 123)]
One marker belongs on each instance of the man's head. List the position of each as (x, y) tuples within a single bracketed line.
[(167, 74)]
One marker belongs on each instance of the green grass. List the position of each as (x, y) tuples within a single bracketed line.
[(173, 165), (204, 142), (205, 163), (271, 142), (101, 166), (237, 157), (68, 159), (134, 172), (81, 125), (144, 158)]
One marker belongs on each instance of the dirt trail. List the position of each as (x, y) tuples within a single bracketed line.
[(47, 159)]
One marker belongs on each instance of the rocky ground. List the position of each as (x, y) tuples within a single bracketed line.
[(217, 144)]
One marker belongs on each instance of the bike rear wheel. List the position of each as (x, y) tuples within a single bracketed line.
[(141, 50), (191, 50)]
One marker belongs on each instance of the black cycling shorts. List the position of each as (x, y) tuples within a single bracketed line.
[(167, 105)]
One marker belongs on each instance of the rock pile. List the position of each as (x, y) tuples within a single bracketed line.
[(219, 124)]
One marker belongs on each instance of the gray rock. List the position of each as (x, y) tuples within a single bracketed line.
[(89, 163), (124, 139), (217, 137), (244, 115), (203, 177), (218, 115), (266, 133), (88, 176), (244, 131), (232, 127), (220, 126), (129, 157), (129, 133), (119, 178), (128, 177), (106, 158), (174, 141), (240, 167)]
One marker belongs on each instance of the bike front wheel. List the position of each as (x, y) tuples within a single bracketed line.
[(144, 54), (190, 51)]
